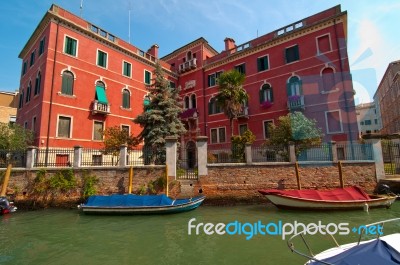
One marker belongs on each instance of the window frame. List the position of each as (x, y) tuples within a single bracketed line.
[(264, 131), (317, 43), (38, 82), (63, 91), (296, 54), (241, 125), (327, 123), (42, 44), (66, 49), (259, 60), (124, 92), (145, 77), (266, 93), (94, 130), (124, 72), (241, 68), (218, 130), (70, 126), (105, 55)]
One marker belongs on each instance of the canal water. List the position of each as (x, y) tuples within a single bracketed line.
[(68, 237)]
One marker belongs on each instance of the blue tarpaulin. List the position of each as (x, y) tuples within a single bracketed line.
[(376, 252), (130, 200)]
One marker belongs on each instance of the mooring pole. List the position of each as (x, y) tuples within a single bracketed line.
[(296, 168), (130, 180), (5, 181), (166, 176)]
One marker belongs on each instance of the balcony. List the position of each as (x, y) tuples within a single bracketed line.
[(100, 108), (244, 114), (296, 102), (189, 65)]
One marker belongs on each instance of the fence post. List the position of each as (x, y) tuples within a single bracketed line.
[(292, 152), (378, 157), (171, 146), (248, 154), (201, 142), (77, 156), (334, 151), (123, 152), (30, 156)]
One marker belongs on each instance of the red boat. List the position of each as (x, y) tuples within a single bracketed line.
[(337, 199)]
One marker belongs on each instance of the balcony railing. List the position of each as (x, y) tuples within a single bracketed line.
[(244, 113), (296, 102), (101, 108), (186, 66)]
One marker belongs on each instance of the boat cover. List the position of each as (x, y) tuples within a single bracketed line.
[(341, 194), (372, 253), (130, 200)]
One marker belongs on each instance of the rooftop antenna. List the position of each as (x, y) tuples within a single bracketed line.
[(81, 7), (129, 24)]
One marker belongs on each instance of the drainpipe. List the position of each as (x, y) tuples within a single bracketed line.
[(205, 107), (51, 97)]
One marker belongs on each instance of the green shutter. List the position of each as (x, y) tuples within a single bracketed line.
[(288, 90), (261, 94), (296, 52), (300, 87), (271, 94), (147, 77), (266, 66), (101, 95), (125, 99), (73, 44)]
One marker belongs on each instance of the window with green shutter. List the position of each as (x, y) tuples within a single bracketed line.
[(126, 99), (101, 59), (98, 128), (241, 68), (266, 94), (211, 80), (294, 87), (262, 63), (147, 77), (67, 86), (70, 46), (64, 127), (292, 54), (127, 69)]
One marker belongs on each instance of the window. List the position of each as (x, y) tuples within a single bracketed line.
[(34, 126), (186, 102), (37, 84), (217, 75), (267, 130), (376, 121), (41, 46), (126, 99), (241, 68), (218, 135), (323, 44), (24, 66), (28, 93), (125, 128), (172, 84), (12, 120), (262, 63), (211, 80), (333, 121), (101, 59), (193, 101), (127, 71), (67, 87), (101, 96), (26, 125), (21, 100), (294, 87), (103, 33), (64, 127), (213, 106), (147, 77), (242, 128), (361, 123), (292, 54), (32, 58), (94, 28), (98, 130), (328, 79), (266, 94), (367, 122), (70, 46)]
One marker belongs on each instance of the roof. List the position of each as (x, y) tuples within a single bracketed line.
[(199, 40)]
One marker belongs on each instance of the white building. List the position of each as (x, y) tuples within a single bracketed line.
[(368, 118)]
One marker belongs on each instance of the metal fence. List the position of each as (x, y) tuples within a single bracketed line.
[(96, 157), (226, 153), (269, 153), (17, 158), (140, 156), (61, 157), (354, 151), (317, 152)]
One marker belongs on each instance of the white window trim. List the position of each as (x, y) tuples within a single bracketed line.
[(340, 119), (97, 59), (218, 140), (70, 129), (130, 98), (130, 74), (77, 46), (247, 126), (104, 127), (144, 76), (269, 66), (330, 43), (126, 125), (263, 126)]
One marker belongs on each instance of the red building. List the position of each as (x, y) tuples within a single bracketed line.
[(78, 78)]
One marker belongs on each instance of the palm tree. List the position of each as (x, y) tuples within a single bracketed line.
[(231, 95)]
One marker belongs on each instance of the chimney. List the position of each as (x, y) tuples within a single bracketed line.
[(229, 44), (153, 51)]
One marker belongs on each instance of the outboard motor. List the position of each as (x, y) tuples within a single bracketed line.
[(383, 189), (6, 206)]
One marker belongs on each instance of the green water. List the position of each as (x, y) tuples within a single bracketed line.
[(67, 237)]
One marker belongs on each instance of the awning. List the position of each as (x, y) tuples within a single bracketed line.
[(101, 95)]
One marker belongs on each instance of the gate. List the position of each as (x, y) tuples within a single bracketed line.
[(391, 157), (187, 162)]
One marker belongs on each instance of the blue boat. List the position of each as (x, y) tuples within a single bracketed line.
[(138, 204)]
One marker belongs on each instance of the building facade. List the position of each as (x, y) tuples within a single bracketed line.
[(368, 118), (387, 99), (8, 107), (78, 79)]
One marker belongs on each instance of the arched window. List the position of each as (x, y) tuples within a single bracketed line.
[(186, 102), (126, 99), (266, 94), (328, 79), (294, 87), (28, 92), (101, 96), (213, 106), (38, 81), (21, 99), (193, 101), (67, 87)]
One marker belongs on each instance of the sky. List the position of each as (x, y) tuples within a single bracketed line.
[(373, 28)]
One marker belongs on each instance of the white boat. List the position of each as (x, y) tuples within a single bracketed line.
[(384, 249)]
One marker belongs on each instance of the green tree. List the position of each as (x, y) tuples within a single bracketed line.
[(114, 137), (160, 117), (239, 144), (296, 128), (14, 137), (231, 95)]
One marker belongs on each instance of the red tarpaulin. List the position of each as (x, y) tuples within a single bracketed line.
[(345, 194)]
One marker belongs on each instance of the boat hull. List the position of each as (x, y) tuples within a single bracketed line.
[(177, 208), (287, 202)]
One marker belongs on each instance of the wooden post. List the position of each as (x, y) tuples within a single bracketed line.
[(296, 167), (5, 181), (340, 174), (166, 176), (130, 180)]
